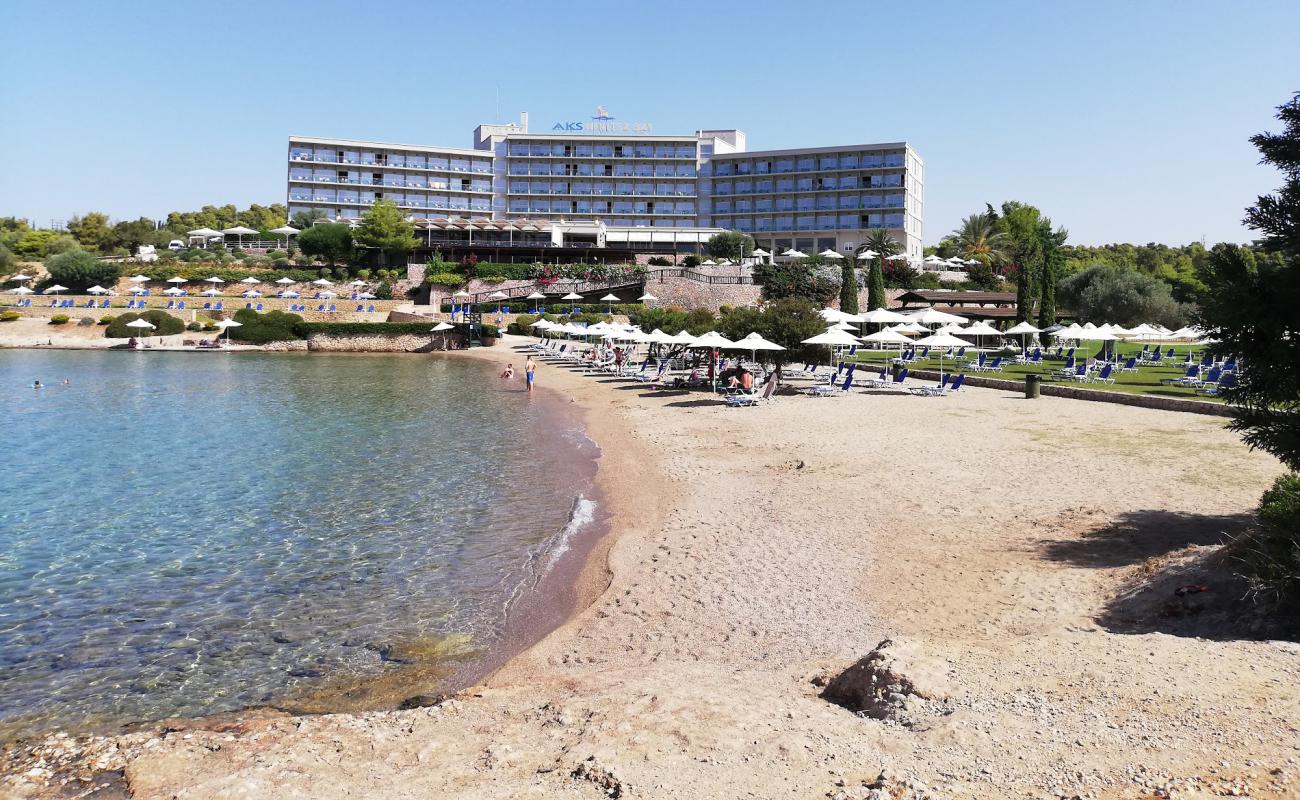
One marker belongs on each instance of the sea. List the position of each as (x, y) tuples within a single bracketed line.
[(185, 534)]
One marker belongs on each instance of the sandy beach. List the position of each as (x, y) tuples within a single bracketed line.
[(1004, 545)]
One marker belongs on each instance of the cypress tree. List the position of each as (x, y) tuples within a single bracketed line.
[(849, 288)]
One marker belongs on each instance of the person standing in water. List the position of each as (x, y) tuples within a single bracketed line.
[(530, 369)]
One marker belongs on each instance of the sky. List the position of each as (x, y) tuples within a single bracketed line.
[(1123, 121)]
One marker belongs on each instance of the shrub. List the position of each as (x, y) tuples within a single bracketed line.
[(86, 322), (363, 274), (209, 325), (795, 279), (59, 319), (659, 261), (194, 326), (1270, 556), (9, 316), (691, 261), (164, 325), (78, 269), (271, 326), (384, 291), (106, 320), (445, 279)]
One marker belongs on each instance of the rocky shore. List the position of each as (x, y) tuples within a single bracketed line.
[(872, 596)]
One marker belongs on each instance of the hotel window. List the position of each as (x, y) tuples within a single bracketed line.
[(763, 204), (722, 206), (581, 187), (663, 188), (623, 188), (539, 149), (645, 188), (623, 170), (762, 167), (743, 224), (586, 169), (785, 185), (805, 223), (684, 151), (893, 220), (826, 202), (804, 184), (541, 168), (848, 201), (807, 164), (829, 162), (827, 183), (518, 167), (848, 181), (583, 151), (685, 208), (849, 161), (848, 221), (686, 188), (643, 151), (641, 207), (785, 204), (559, 187), (762, 223), (622, 207), (725, 168), (893, 201), (872, 161), (894, 160), (584, 206), (744, 187), (458, 203), (763, 186), (518, 149), (744, 207), (560, 149), (785, 165), (722, 188), (706, 150), (783, 223), (519, 206), (644, 171), (743, 167), (804, 204), (437, 163), (460, 165), (604, 151), (686, 171), (604, 187)]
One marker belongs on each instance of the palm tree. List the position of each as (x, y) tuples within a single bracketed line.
[(878, 239), (979, 238)]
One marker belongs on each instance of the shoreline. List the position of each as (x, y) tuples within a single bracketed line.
[(755, 553)]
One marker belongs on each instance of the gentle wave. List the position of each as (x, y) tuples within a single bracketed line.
[(584, 512)]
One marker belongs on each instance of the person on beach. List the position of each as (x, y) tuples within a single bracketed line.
[(66, 382), (36, 385), (529, 370), (746, 380), (509, 372)]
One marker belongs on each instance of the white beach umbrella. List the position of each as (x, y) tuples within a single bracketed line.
[(759, 252), (657, 336), (711, 339), (833, 337), (175, 291), (867, 255), (933, 259), (225, 325), (439, 328), (210, 292), (365, 296), (285, 281), (911, 326), (793, 253), (932, 316), (56, 288), (286, 231), (611, 299), (755, 342), (831, 254), (213, 280), (1023, 330), (326, 295), (708, 263), (357, 283), (647, 298), (497, 295), (138, 278), (289, 293), (322, 282), (542, 325), (21, 290), (897, 257), (536, 296), (239, 231), (21, 277), (572, 296), (726, 262), (887, 336), (461, 293), (942, 341), (252, 293), (882, 316), (137, 290), (97, 289), (683, 337), (140, 323), (176, 279), (205, 234), (1144, 331), (250, 280)]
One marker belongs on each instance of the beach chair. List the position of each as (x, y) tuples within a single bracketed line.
[(932, 391), (753, 398), (1105, 375), (104, 304), (171, 303), (995, 365), (320, 307), (361, 306), (1130, 365), (370, 309), (1068, 369), (1227, 380), (207, 306), (181, 305), (1190, 378), (217, 307)]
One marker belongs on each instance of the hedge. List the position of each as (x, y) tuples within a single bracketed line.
[(164, 325)]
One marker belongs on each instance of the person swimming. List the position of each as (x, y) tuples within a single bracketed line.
[(36, 385), (530, 369), (509, 372)]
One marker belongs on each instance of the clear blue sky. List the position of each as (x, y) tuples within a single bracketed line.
[(1123, 121)]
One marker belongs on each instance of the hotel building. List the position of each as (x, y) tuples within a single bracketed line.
[(606, 183)]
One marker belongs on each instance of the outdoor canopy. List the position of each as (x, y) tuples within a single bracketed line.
[(285, 281), (882, 316)]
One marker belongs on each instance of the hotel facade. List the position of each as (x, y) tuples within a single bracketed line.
[(603, 182)]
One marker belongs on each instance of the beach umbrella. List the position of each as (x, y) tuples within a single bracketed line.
[(910, 327), (174, 291), (239, 231), (571, 296), (882, 317), (867, 255), (285, 281), (942, 341), (21, 277), (176, 279), (250, 280), (289, 293), (1023, 330), (1095, 335), (611, 299), (213, 280), (97, 289), (365, 296), (932, 316), (322, 282), (21, 290), (979, 330), (708, 263), (887, 336), (713, 341), (760, 253), (683, 337), (358, 283), (831, 254), (755, 342), (461, 293), (138, 278), (897, 257), (790, 252), (647, 298), (326, 295), (1145, 331), (56, 288), (833, 337), (225, 325), (140, 323), (726, 262), (205, 234), (286, 231), (498, 296), (252, 293), (442, 326), (210, 292), (543, 325), (536, 296), (137, 290)]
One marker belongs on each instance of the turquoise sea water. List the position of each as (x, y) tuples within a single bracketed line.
[(184, 533)]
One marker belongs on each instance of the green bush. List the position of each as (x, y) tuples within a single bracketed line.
[(194, 326), (59, 319), (9, 316), (384, 291), (164, 325), (78, 269), (445, 279), (270, 326), (106, 320), (1270, 557)]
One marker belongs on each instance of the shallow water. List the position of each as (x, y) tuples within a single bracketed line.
[(184, 533)]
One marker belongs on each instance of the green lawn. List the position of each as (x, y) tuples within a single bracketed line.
[(1145, 381)]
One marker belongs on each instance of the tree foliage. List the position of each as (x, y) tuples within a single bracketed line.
[(978, 237), (92, 231), (1103, 294), (849, 287), (164, 324), (730, 244), (384, 228), (795, 279), (884, 245), (331, 242), (79, 270), (260, 328), (787, 322)]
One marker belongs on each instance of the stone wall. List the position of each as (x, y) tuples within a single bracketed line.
[(687, 293), (383, 344)]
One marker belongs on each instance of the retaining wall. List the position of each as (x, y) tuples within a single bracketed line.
[(1095, 395)]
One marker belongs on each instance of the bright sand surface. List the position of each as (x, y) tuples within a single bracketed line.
[(756, 549)]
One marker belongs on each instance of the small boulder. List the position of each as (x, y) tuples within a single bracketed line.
[(889, 680)]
